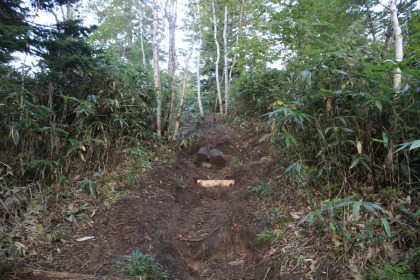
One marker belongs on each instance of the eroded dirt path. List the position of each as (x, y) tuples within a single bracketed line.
[(195, 232)]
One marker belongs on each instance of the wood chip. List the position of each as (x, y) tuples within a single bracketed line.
[(85, 238)]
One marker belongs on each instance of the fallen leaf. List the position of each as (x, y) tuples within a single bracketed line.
[(183, 143), (20, 246), (39, 227), (82, 156), (295, 215), (337, 243)]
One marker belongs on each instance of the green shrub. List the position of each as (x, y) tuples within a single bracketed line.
[(143, 265)]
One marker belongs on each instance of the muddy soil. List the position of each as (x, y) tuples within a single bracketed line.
[(194, 232)]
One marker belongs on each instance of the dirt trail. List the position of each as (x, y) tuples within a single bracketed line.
[(195, 232)]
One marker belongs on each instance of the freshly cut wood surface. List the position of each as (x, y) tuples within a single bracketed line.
[(215, 183)]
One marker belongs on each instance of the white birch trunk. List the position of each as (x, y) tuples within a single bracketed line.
[(141, 40), (226, 64), (236, 45), (219, 95), (172, 14), (200, 106), (156, 76), (399, 54), (184, 84)]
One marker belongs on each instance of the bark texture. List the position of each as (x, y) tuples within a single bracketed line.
[(200, 106), (141, 40), (226, 63), (171, 16), (219, 95), (156, 76), (235, 52), (399, 53), (184, 84)]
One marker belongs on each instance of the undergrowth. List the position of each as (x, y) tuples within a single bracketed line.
[(143, 265), (351, 142)]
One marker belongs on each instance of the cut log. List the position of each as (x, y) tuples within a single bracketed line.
[(36, 274), (215, 183)]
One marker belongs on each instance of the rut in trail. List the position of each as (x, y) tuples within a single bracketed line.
[(195, 232)]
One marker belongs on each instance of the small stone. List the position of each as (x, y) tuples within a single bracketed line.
[(235, 263), (205, 164), (202, 156), (217, 158)]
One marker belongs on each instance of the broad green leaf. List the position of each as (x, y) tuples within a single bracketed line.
[(264, 137), (320, 216), (344, 204), (346, 129), (369, 207), (339, 72), (304, 219), (311, 219), (306, 76), (356, 208), (97, 140), (352, 197), (354, 163), (378, 207), (385, 137), (378, 140), (378, 104), (332, 227), (386, 225), (363, 163), (403, 146), (415, 144), (62, 131)]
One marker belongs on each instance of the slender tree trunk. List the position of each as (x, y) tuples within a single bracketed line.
[(399, 54), (171, 15), (372, 29), (184, 84), (226, 63), (219, 95), (22, 74), (141, 40), (200, 106), (236, 45), (156, 76), (129, 35), (388, 41)]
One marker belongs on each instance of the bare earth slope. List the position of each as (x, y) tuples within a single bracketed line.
[(195, 232)]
